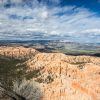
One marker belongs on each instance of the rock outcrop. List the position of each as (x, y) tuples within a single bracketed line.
[(65, 77), (17, 52), (61, 77)]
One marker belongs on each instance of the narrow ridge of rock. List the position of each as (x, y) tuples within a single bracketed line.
[(17, 52)]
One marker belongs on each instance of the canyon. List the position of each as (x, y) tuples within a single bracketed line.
[(60, 76), (67, 77)]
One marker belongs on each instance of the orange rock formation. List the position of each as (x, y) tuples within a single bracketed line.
[(74, 77), (17, 52), (63, 77)]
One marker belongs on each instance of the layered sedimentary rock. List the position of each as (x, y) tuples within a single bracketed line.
[(17, 52), (65, 77)]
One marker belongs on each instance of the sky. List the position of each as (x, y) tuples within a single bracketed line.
[(70, 20)]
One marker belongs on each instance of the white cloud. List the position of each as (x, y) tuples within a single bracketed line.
[(16, 1), (92, 31), (50, 21)]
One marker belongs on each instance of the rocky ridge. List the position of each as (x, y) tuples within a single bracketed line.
[(65, 77), (61, 77), (19, 52)]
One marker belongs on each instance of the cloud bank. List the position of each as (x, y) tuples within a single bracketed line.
[(40, 19)]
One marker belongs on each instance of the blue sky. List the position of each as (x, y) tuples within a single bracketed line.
[(71, 20)]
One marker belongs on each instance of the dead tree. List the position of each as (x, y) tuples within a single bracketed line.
[(11, 94)]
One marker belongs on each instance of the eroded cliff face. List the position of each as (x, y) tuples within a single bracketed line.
[(17, 52), (61, 77), (67, 77)]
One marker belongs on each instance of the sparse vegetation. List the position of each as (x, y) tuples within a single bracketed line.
[(77, 63), (49, 79), (80, 66), (40, 80), (10, 71), (34, 73)]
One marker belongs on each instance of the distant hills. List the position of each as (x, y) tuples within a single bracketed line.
[(70, 48)]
